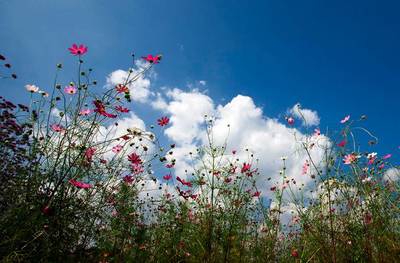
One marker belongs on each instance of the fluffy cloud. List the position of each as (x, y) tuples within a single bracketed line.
[(140, 89), (307, 116), (392, 175), (244, 126)]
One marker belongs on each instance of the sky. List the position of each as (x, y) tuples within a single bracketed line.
[(334, 57)]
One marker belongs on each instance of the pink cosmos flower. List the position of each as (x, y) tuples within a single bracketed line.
[(163, 121), (350, 158), (256, 194), (101, 109), (153, 60), (245, 168), (306, 165), (167, 177), (57, 128), (182, 181), (85, 112), (75, 50), (134, 159), (290, 120), (128, 179), (117, 149), (80, 184), (228, 180), (345, 119), (169, 165), (381, 166), (121, 109), (387, 156), (234, 152), (121, 88), (317, 132), (70, 90), (137, 169), (342, 143), (32, 88), (89, 153)]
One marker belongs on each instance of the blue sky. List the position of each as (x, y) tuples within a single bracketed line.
[(335, 57)]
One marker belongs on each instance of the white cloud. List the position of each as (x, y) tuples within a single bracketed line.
[(307, 116), (249, 129)]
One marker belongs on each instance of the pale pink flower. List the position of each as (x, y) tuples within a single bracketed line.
[(85, 112), (317, 132), (387, 156), (57, 128), (117, 148), (350, 158), (345, 119), (306, 165), (32, 88), (70, 90)]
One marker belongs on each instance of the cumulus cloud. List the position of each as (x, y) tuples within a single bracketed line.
[(139, 89), (249, 128), (307, 116)]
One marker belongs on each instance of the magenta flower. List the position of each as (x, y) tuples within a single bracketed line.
[(121, 109), (163, 121), (75, 50), (257, 194), (128, 179), (152, 60), (70, 90), (342, 143), (167, 177), (101, 109), (57, 128), (89, 153), (245, 168), (80, 184), (117, 149), (345, 119), (182, 181), (134, 159), (290, 120)]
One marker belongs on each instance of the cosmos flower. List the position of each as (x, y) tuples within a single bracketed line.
[(350, 158), (345, 119), (182, 181), (167, 177), (290, 120), (128, 179), (57, 128), (121, 88), (78, 50), (256, 194), (85, 112), (80, 184), (89, 153), (387, 156), (163, 121), (342, 143), (152, 59), (317, 132), (245, 168), (32, 88), (134, 159), (306, 166), (121, 109), (117, 149), (70, 90), (100, 109)]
